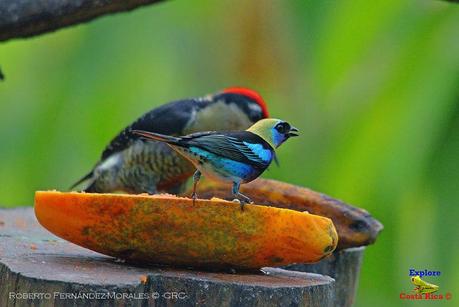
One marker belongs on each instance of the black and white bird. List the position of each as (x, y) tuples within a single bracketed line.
[(133, 165)]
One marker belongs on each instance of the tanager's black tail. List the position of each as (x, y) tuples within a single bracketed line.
[(158, 137)]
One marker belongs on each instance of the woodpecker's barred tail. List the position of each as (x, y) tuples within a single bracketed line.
[(83, 179)]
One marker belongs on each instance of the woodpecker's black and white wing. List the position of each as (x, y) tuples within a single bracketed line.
[(168, 119)]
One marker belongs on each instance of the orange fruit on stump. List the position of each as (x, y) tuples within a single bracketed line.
[(166, 229)]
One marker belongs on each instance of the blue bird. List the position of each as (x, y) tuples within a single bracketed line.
[(230, 156)]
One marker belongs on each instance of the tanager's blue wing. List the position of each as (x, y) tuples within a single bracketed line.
[(241, 146)]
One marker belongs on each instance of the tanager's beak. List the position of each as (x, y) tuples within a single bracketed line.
[(293, 132)]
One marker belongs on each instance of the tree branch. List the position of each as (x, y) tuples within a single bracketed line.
[(24, 18)]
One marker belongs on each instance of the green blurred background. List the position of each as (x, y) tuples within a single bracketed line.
[(373, 86)]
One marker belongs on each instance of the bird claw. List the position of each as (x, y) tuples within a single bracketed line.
[(194, 196), (241, 203)]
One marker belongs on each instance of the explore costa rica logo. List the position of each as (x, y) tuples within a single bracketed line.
[(424, 290)]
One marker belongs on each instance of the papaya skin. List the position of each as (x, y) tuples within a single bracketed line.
[(165, 229), (355, 226)]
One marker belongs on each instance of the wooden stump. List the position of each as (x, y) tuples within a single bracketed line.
[(39, 269), (344, 267)]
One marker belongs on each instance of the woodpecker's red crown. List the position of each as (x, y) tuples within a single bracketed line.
[(250, 94)]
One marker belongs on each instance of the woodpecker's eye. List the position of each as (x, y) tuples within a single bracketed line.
[(283, 127)]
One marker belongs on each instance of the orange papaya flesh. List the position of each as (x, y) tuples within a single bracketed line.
[(355, 226), (165, 229)]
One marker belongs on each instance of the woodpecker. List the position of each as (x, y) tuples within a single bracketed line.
[(133, 165), (230, 156)]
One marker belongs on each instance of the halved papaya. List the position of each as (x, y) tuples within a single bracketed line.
[(166, 229), (355, 226)]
